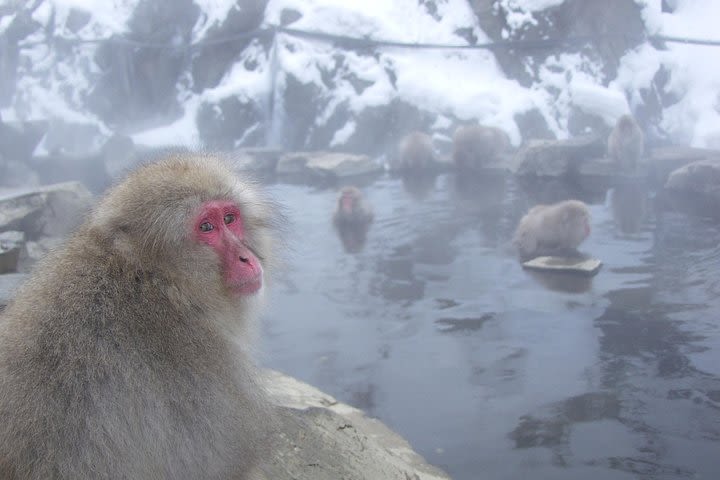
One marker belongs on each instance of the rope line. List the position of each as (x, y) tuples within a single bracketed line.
[(363, 42)]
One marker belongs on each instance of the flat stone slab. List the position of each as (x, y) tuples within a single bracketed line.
[(584, 266), (327, 164)]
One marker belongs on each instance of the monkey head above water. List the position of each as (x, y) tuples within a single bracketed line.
[(352, 218), (552, 229), (126, 354)]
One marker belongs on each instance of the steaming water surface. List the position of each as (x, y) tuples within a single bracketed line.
[(490, 371)]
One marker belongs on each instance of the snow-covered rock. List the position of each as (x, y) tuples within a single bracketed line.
[(198, 73), (327, 164), (550, 158)]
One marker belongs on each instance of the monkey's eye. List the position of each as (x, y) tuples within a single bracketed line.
[(206, 227), (228, 218)]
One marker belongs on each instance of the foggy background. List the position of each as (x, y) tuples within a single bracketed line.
[(428, 322)]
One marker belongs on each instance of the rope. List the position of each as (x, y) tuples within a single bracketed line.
[(359, 42)]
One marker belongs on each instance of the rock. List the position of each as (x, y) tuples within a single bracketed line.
[(616, 25), (342, 165), (231, 122), (600, 174), (557, 158), (327, 164), (8, 285), (11, 244), (583, 266), (695, 189), (137, 87), (292, 164), (72, 138), (666, 160), (323, 439), (215, 60), (701, 178), (51, 210), (256, 159), (18, 140)]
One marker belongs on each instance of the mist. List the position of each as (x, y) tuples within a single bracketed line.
[(422, 316)]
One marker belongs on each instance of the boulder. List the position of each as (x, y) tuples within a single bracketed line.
[(323, 439), (327, 164), (230, 122), (11, 244), (52, 210), (256, 159), (216, 58), (663, 161), (695, 189), (558, 158), (702, 178)]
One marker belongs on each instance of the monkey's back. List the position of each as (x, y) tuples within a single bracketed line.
[(103, 375)]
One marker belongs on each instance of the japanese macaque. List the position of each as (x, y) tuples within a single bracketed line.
[(476, 146), (552, 229), (626, 143), (352, 218), (127, 353), (415, 152)]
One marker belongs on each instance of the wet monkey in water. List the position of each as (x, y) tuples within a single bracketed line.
[(476, 146), (415, 152), (352, 218), (552, 229), (126, 354)]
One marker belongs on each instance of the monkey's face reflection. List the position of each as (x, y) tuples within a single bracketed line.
[(219, 225)]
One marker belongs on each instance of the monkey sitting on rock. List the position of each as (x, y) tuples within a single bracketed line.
[(552, 229), (127, 353)]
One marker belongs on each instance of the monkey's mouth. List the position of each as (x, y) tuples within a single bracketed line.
[(246, 286)]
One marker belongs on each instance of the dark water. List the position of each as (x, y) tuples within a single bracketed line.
[(491, 372)]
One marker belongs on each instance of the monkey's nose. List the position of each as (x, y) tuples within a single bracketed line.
[(244, 259)]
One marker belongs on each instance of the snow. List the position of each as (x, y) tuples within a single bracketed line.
[(464, 84)]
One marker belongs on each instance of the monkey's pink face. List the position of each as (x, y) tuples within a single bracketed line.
[(220, 226), (348, 202)]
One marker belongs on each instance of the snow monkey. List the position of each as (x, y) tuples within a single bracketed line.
[(626, 143), (126, 354), (352, 218), (415, 152), (556, 228), (475, 146)]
